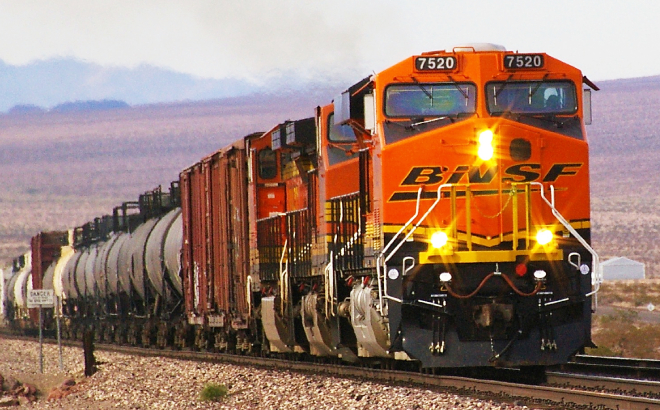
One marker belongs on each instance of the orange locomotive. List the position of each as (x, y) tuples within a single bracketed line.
[(441, 215)]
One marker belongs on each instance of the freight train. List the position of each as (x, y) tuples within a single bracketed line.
[(434, 213)]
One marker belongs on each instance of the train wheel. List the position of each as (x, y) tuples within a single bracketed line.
[(147, 334), (163, 338)]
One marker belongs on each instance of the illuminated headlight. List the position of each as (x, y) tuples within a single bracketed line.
[(439, 239), (540, 275), (486, 150), (544, 237), (445, 277)]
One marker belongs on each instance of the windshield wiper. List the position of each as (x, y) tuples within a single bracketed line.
[(536, 88), (423, 121), (420, 121), (458, 87), (551, 118), (421, 87), (502, 87)]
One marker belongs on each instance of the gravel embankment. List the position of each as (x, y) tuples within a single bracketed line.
[(132, 382)]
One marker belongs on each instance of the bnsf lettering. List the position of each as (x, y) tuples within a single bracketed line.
[(522, 173), (558, 170), (458, 174), (424, 176), (475, 176), (515, 173)]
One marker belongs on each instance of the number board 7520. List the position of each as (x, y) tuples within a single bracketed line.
[(523, 61), (436, 63)]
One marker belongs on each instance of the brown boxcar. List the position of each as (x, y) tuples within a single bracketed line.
[(215, 255), (46, 248)]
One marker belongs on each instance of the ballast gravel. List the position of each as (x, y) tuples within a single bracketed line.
[(134, 382)]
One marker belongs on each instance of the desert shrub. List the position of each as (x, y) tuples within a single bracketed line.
[(619, 316), (600, 351), (621, 335), (214, 392)]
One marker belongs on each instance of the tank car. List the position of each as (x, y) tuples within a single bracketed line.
[(10, 274), (18, 287), (123, 279)]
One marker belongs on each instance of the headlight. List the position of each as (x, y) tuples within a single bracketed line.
[(540, 275), (445, 277), (486, 150), (439, 239), (544, 237)]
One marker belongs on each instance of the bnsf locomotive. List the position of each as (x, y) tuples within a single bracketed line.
[(436, 212)]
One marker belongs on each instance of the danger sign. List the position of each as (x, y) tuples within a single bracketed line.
[(41, 298)]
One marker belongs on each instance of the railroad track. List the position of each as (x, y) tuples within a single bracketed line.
[(540, 396), (562, 391), (613, 366)]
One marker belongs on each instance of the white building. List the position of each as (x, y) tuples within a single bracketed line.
[(622, 268)]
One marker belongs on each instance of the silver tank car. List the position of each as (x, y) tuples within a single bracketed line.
[(90, 263), (124, 265), (100, 266), (79, 275), (136, 250), (69, 277), (156, 255), (173, 245), (22, 285), (60, 268), (113, 267)]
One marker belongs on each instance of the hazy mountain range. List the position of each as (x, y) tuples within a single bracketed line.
[(46, 84)]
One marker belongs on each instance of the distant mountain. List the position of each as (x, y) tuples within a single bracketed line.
[(26, 109), (52, 82), (631, 84), (89, 106)]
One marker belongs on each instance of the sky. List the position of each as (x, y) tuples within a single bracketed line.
[(340, 39)]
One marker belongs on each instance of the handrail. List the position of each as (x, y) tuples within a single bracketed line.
[(408, 235), (380, 259), (419, 197), (597, 276), (384, 257), (284, 273), (330, 287), (249, 295), (431, 208)]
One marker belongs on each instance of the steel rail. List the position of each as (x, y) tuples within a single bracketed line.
[(611, 384), (613, 366)]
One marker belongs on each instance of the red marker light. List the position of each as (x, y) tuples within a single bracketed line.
[(521, 269)]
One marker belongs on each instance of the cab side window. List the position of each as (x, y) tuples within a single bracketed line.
[(341, 138), (267, 164)]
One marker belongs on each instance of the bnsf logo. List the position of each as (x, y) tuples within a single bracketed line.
[(474, 175)]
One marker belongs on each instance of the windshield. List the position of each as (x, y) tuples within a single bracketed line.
[(339, 133), (429, 100), (531, 97)]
